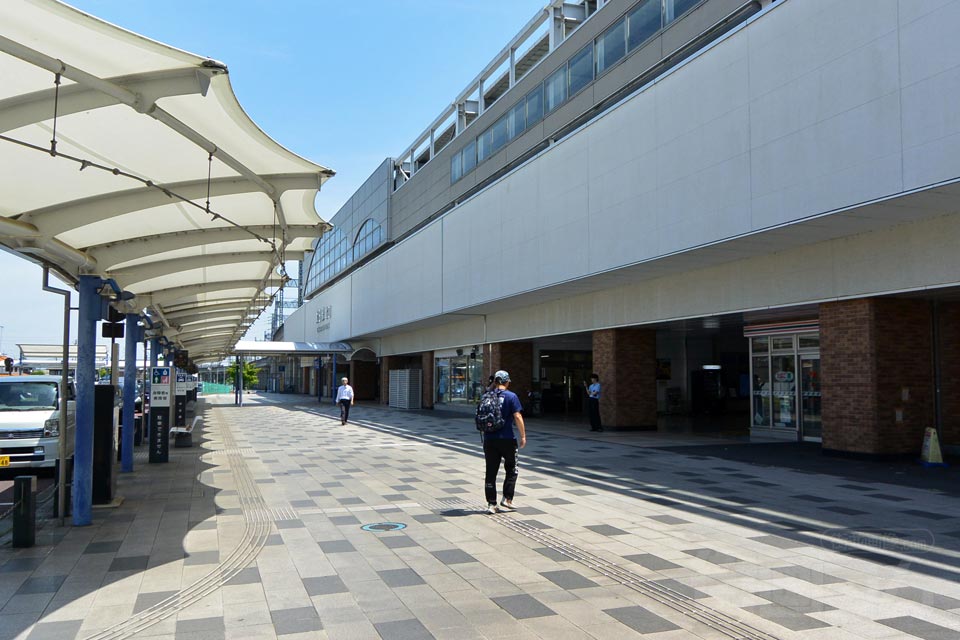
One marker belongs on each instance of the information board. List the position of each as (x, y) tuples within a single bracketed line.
[(160, 388), (180, 401)]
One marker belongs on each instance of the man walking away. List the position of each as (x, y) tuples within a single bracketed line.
[(345, 400), (503, 445), (593, 403)]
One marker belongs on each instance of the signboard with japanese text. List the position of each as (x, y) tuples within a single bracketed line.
[(160, 391), (180, 401), (160, 387)]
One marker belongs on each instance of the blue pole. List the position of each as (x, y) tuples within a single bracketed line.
[(132, 337), (334, 385), (154, 354), (90, 314)]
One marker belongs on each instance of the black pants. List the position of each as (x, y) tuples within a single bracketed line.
[(593, 407), (495, 449), (344, 411)]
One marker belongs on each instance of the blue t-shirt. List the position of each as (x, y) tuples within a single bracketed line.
[(509, 405)]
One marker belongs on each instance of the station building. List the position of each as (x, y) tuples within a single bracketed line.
[(742, 215)]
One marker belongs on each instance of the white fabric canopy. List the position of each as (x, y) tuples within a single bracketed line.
[(169, 123)]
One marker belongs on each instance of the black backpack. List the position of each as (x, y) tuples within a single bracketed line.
[(489, 415)]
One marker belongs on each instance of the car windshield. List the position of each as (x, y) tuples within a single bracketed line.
[(28, 396)]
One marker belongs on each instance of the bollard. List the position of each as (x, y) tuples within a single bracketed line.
[(66, 478), (24, 512)]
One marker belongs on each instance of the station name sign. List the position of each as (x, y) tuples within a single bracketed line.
[(324, 314)]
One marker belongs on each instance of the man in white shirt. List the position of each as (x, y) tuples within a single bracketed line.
[(344, 399)]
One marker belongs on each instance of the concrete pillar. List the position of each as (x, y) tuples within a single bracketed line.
[(429, 392), (131, 339), (516, 358), (877, 379), (90, 313), (626, 361)]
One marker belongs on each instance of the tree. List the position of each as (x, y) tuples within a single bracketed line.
[(250, 374)]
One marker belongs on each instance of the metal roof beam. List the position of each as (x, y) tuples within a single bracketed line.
[(114, 253), (30, 108), (234, 305), (65, 216), (173, 294), (131, 276)]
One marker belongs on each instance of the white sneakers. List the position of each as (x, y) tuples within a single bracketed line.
[(505, 505)]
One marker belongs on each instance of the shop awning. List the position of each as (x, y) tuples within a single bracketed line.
[(132, 160)]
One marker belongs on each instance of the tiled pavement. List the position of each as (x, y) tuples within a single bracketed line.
[(256, 533)]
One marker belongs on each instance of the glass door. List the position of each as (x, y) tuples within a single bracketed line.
[(810, 406), (784, 391)]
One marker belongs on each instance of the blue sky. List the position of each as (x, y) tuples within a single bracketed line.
[(345, 84)]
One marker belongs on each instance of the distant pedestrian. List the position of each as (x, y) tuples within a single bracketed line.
[(345, 400), (503, 445), (593, 402)]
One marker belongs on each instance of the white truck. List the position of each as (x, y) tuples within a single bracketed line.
[(30, 421)]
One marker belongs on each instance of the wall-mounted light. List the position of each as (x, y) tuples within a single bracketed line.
[(711, 367)]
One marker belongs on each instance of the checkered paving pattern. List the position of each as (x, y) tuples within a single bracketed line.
[(786, 554)]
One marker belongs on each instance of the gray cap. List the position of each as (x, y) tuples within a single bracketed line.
[(502, 376)]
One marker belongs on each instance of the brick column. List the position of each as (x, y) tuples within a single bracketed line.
[(516, 358), (626, 361), (876, 368), (386, 364), (950, 374), (429, 393), (364, 379)]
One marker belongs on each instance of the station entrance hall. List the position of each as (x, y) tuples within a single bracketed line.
[(725, 231)]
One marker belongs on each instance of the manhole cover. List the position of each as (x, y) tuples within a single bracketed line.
[(384, 526)]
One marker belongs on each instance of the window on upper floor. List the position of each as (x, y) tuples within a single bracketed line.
[(673, 9), (642, 22), (612, 46), (580, 70), (534, 101), (368, 238), (469, 157), (555, 89)]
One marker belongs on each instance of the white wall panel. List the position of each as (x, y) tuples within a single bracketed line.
[(293, 327), (815, 106), (326, 318), (402, 287)]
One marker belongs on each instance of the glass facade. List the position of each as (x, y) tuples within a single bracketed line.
[(580, 70), (643, 21), (459, 379), (785, 383), (638, 26), (333, 253), (555, 89), (612, 46)]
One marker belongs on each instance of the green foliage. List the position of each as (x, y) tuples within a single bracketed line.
[(38, 372), (250, 374)]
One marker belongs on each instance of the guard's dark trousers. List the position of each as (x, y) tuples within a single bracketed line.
[(494, 450), (593, 406)]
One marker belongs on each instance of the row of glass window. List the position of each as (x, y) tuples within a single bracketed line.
[(333, 253), (639, 24)]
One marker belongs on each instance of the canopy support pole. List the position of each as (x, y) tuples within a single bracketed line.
[(132, 337), (90, 313)]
